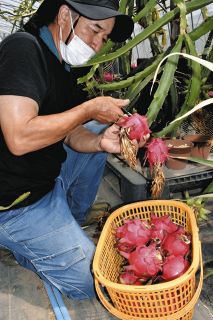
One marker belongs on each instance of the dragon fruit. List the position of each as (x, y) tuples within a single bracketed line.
[(174, 267), (128, 277), (133, 233), (156, 155), (176, 244), (157, 152), (145, 261), (158, 235), (163, 223), (108, 76), (134, 127), (154, 251)]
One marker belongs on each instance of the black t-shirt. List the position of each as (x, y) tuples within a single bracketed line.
[(28, 68)]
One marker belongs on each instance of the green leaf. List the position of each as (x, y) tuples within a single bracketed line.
[(15, 202), (123, 5), (202, 161), (209, 195), (208, 274), (205, 63), (89, 75), (197, 107), (116, 85), (209, 188)]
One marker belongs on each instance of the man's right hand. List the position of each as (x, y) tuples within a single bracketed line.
[(105, 109)]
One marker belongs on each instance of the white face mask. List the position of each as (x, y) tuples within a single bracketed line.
[(77, 52)]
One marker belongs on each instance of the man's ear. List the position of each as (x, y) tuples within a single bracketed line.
[(63, 15)]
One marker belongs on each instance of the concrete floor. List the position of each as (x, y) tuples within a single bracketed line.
[(23, 297)]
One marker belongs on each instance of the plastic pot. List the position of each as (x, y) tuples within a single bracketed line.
[(178, 148), (201, 143)]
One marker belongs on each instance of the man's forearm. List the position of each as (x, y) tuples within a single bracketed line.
[(25, 131), (83, 140)]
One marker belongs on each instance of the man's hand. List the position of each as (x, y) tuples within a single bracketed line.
[(105, 109), (110, 140), (143, 141)]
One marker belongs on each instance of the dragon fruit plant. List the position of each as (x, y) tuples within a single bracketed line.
[(158, 250)]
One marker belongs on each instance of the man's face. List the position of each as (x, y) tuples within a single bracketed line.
[(94, 32)]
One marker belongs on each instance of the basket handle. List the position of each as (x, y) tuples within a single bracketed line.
[(175, 316), (106, 303)]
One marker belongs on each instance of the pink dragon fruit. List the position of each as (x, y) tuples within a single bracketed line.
[(145, 261), (176, 244), (133, 233), (156, 155), (174, 267), (136, 125), (163, 223)]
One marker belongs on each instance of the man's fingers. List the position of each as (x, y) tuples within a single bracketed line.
[(147, 136), (125, 102), (121, 102)]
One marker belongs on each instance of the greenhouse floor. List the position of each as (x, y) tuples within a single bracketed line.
[(23, 296)]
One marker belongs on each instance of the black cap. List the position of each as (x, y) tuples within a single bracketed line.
[(104, 9)]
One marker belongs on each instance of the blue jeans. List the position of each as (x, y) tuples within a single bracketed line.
[(46, 236)]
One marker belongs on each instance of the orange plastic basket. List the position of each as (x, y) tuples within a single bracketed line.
[(165, 301)]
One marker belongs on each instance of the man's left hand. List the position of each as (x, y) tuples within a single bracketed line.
[(110, 140)]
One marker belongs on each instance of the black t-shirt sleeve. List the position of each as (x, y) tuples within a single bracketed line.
[(22, 68)]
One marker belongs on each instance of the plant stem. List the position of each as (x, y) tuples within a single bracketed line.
[(192, 93), (165, 83), (134, 79), (202, 29), (135, 90), (183, 23), (148, 7)]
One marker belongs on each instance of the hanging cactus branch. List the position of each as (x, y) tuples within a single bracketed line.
[(202, 29), (148, 7), (164, 84), (117, 85)]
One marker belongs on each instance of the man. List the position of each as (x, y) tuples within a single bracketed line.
[(44, 147)]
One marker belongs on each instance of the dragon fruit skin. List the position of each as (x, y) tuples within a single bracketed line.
[(144, 261), (157, 152), (108, 76), (133, 233), (136, 124), (176, 244), (128, 277), (174, 267), (124, 247), (158, 235), (163, 223)]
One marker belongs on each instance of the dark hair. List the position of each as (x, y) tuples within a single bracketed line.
[(45, 14)]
